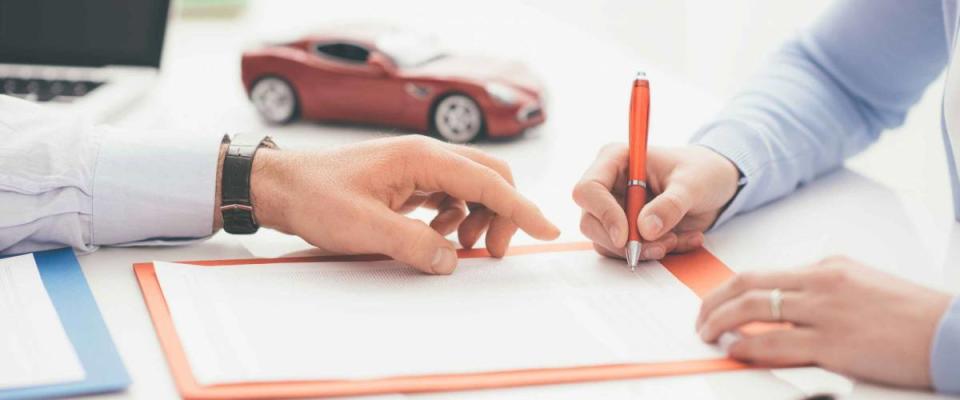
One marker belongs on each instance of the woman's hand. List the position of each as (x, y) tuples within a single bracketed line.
[(847, 318), (689, 188), (351, 200)]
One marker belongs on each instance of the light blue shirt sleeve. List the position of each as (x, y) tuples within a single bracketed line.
[(64, 182), (945, 351), (827, 95)]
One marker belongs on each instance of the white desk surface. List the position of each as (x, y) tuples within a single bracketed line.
[(907, 228)]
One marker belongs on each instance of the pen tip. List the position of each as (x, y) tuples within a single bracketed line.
[(641, 75), (633, 254)]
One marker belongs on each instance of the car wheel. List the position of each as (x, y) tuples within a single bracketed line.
[(457, 119), (275, 99)]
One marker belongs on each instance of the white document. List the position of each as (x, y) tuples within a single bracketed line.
[(348, 320), (34, 348)]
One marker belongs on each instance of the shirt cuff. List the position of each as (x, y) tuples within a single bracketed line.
[(153, 186), (945, 352), (732, 139)]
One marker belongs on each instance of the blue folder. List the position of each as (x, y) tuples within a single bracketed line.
[(81, 319)]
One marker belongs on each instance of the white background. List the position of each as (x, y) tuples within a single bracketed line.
[(891, 208)]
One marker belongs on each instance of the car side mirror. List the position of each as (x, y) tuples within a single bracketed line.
[(380, 64)]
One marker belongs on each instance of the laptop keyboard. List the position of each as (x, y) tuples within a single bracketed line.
[(44, 90)]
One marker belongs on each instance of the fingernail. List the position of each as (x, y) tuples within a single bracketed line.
[(613, 235), (703, 334), (695, 241), (653, 253), (652, 223), (727, 340), (444, 261)]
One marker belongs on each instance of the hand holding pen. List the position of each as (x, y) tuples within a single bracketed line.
[(686, 188)]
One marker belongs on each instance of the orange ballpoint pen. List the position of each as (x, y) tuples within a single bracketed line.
[(637, 164)]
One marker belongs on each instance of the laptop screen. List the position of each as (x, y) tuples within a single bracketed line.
[(82, 32)]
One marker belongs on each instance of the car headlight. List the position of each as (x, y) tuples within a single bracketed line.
[(501, 93)]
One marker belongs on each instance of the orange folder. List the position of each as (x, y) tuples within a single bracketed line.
[(699, 270)]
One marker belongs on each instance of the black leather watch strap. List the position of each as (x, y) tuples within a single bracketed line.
[(236, 208)]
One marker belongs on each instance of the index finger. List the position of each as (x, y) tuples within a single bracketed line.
[(501, 228), (463, 178), (594, 192), (610, 165), (481, 157)]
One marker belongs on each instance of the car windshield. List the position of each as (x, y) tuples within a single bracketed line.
[(410, 49)]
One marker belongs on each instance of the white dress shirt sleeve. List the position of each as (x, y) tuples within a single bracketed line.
[(65, 182)]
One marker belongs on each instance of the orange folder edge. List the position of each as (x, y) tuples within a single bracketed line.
[(699, 270)]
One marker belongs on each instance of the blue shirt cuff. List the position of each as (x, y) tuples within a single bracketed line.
[(154, 186), (731, 139), (945, 352)]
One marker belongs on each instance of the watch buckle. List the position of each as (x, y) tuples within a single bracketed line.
[(232, 207)]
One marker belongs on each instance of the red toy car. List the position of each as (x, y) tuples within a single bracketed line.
[(387, 77)]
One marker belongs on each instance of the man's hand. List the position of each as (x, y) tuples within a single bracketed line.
[(691, 186), (351, 200), (847, 318)]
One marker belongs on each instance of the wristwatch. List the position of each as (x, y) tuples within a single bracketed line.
[(236, 208)]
